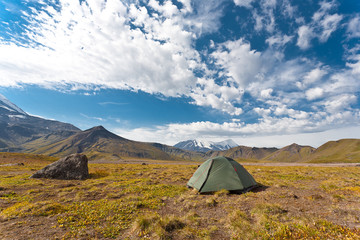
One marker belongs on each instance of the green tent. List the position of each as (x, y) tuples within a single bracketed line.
[(221, 173)]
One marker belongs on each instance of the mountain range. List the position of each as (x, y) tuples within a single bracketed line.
[(99, 143), (204, 146), (21, 132)]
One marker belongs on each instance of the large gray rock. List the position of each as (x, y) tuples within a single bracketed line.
[(74, 166)]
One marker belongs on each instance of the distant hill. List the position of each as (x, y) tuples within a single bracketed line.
[(291, 153), (205, 146), (344, 150), (243, 152)]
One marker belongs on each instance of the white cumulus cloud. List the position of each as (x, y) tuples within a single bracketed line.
[(279, 40), (305, 35), (266, 93), (329, 24), (322, 25), (353, 27), (244, 3), (314, 93), (239, 62)]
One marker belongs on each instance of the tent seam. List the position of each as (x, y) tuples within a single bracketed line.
[(202, 174), (207, 176)]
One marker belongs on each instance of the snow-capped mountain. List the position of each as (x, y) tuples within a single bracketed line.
[(204, 146), (7, 106), (225, 145)]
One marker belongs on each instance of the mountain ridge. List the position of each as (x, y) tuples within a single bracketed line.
[(99, 143), (18, 128), (291, 153), (5, 103), (243, 152), (344, 150)]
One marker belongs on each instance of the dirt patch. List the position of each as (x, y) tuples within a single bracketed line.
[(30, 228)]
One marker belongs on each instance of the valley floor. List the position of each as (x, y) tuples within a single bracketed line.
[(270, 164), (151, 201)]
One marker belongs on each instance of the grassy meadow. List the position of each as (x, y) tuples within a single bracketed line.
[(135, 201)]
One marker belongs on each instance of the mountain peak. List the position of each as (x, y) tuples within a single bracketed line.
[(10, 107), (295, 147), (228, 142), (97, 128), (291, 153), (204, 146), (99, 131)]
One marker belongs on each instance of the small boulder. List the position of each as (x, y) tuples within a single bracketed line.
[(12, 164), (74, 166)]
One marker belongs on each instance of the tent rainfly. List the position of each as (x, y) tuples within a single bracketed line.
[(221, 173)]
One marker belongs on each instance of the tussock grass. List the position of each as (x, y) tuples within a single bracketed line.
[(241, 225), (211, 202), (221, 192), (99, 174), (155, 226)]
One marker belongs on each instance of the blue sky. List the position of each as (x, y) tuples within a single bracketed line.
[(262, 72)]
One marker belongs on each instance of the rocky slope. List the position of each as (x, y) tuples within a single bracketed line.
[(18, 128)]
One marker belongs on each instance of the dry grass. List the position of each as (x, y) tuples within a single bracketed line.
[(134, 201)]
